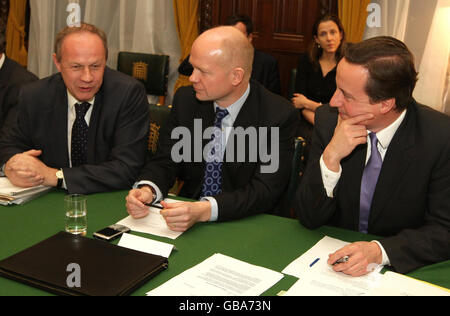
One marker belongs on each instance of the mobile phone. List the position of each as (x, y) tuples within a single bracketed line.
[(111, 233)]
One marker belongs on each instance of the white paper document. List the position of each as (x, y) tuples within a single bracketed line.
[(321, 250), (153, 224), (146, 245), (220, 275), (317, 278), (394, 284)]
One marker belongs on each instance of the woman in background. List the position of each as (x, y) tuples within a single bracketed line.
[(316, 73)]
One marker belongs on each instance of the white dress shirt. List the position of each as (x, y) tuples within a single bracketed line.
[(330, 178)]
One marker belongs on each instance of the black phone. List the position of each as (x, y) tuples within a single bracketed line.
[(111, 233)]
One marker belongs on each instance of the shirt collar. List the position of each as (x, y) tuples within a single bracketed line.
[(2, 60), (72, 100), (235, 108), (385, 136)]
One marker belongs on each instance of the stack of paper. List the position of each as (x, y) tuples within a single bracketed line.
[(10, 194)]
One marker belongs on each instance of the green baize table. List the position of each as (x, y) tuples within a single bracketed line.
[(265, 240)]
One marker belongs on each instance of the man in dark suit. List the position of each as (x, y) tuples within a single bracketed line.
[(12, 77), (241, 182), (265, 67), (84, 128), (380, 164)]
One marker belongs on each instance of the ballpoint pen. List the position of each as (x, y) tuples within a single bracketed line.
[(154, 205), (341, 260)]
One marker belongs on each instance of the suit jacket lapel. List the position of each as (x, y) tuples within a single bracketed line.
[(349, 187), (248, 117), (400, 154), (93, 124), (60, 121)]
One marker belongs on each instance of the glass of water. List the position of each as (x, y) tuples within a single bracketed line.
[(76, 214)]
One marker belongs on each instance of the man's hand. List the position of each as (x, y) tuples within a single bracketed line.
[(348, 134), (362, 255), (26, 170), (136, 200), (182, 216)]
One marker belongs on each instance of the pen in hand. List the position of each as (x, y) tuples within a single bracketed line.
[(154, 205), (341, 260)]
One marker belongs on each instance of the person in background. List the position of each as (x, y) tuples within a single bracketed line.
[(265, 67), (380, 164), (316, 73), (12, 77), (83, 129)]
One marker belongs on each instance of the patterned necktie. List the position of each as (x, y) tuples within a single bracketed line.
[(212, 184), (368, 184), (80, 136)]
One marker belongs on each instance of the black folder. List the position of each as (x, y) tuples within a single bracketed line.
[(101, 269)]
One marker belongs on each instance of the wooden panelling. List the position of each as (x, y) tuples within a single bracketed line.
[(282, 28)]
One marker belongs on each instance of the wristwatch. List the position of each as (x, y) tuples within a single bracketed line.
[(60, 177), (152, 189)]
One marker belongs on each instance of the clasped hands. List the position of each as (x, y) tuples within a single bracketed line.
[(179, 216), (27, 170)]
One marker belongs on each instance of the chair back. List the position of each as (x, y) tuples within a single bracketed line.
[(291, 85), (286, 205), (159, 115), (151, 69)]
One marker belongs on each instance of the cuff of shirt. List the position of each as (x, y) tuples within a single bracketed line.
[(385, 260), (64, 185), (159, 196), (214, 208), (329, 178)]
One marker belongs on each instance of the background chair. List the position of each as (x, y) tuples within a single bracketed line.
[(286, 205), (152, 70), (291, 85), (298, 169), (159, 115)]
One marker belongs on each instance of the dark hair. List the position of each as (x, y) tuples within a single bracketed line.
[(84, 27), (245, 19), (390, 63), (315, 52), (2, 42)]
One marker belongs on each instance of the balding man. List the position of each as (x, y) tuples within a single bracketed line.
[(222, 107)]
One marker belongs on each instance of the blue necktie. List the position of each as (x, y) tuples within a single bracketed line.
[(368, 184), (79, 136), (212, 184)]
